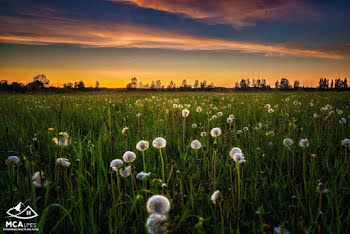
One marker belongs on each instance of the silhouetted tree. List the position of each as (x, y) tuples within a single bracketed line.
[(284, 84), (203, 84), (68, 85), (79, 85), (196, 84), (41, 78), (296, 84), (97, 86)]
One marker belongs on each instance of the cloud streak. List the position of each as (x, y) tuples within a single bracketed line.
[(85, 33), (238, 13)]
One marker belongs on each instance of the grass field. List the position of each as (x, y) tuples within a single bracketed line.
[(280, 187)]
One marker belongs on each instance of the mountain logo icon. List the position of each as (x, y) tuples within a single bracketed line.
[(22, 212)]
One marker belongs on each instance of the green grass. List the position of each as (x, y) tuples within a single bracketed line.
[(89, 197)]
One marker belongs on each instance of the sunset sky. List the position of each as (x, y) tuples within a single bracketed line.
[(220, 41)]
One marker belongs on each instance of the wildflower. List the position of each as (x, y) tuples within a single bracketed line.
[(288, 142), (142, 145), (215, 132), (238, 158), (239, 132), (142, 175), (50, 129), (304, 143), (231, 116), (220, 114), (156, 223), (196, 144), (194, 125), (129, 156), (203, 134), (158, 204), (159, 143), (346, 143), (270, 110), (185, 113), (39, 180), (199, 109), (125, 172), (63, 162), (229, 120), (342, 121), (125, 130), (235, 150), (215, 197), (115, 164), (13, 159), (62, 140), (316, 116), (280, 230), (138, 115), (339, 112)]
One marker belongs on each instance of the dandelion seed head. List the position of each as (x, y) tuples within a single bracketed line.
[(158, 204), (196, 145), (129, 156), (159, 143), (215, 132), (142, 145)]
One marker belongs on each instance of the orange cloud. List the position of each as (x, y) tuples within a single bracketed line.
[(238, 13), (93, 34)]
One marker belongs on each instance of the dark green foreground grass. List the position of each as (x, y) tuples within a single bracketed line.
[(87, 198)]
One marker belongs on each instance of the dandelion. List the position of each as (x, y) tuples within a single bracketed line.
[(62, 140), (14, 159), (229, 120), (304, 143), (142, 145), (125, 130), (235, 150), (346, 143), (342, 121), (203, 134), (63, 162), (125, 172), (129, 156), (156, 224), (196, 145), (288, 142), (142, 175), (199, 109), (239, 132), (39, 180), (339, 112), (138, 115), (215, 132), (158, 204), (185, 113), (238, 158), (115, 164), (215, 197), (220, 114), (231, 116), (159, 143), (280, 230)]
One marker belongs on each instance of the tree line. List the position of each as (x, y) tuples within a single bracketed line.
[(42, 83)]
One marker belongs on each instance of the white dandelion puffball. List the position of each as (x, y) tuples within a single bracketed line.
[(185, 113), (158, 204), (238, 158), (220, 114), (229, 120), (129, 156), (13, 159), (142, 145), (280, 230), (125, 172), (199, 109), (235, 150), (39, 180), (215, 196), (288, 142), (304, 143), (159, 143), (346, 143), (115, 164), (138, 115), (203, 134), (215, 132), (342, 121), (194, 125), (63, 162), (196, 144), (231, 116), (156, 223)]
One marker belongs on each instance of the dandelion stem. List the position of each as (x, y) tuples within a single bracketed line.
[(144, 161), (161, 159)]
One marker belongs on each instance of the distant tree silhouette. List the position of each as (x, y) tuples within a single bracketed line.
[(196, 84), (277, 85), (284, 84), (97, 86), (68, 85), (79, 85), (41, 78), (296, 84), (203, 84)]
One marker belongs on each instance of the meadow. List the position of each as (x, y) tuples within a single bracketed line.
[(288, 172)]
